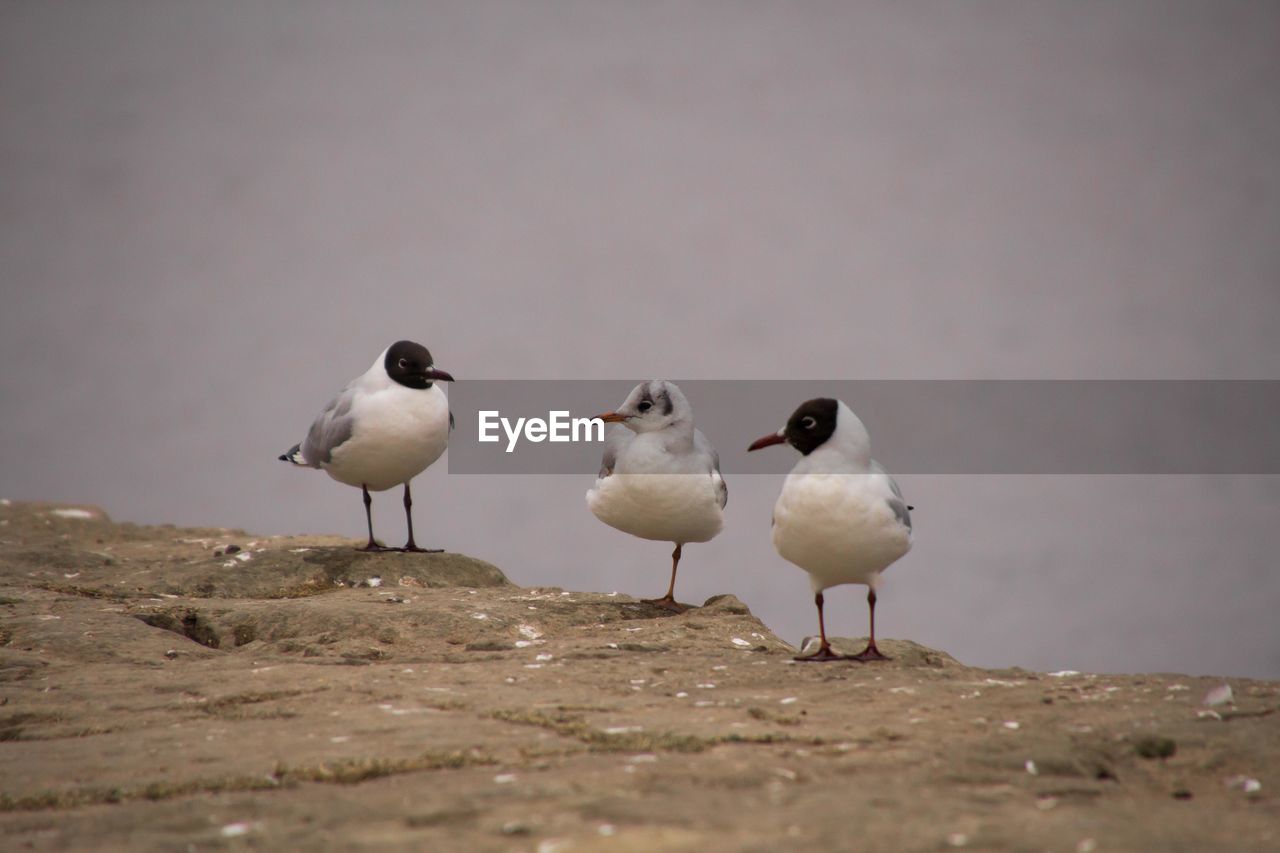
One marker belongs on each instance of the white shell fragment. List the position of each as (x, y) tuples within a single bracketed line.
[(71, 512), (1244, 783)]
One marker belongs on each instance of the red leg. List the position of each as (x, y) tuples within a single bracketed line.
[(870, 652), (668, 601), (824, 652)]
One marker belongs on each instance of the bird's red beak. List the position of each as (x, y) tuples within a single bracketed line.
[(765, 441), (610, 418), (435, 373)]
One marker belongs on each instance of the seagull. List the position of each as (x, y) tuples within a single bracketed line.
[(382, 430), (660, 477), (840, 516)]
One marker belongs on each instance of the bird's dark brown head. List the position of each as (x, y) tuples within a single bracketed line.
[(812, 424), (411, 365)]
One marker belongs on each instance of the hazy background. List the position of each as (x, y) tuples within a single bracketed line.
[(212, 215)]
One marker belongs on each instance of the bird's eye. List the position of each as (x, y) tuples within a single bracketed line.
[(404, 362), (808, 422), (645, 406)]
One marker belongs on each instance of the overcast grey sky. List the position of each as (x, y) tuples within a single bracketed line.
[(213, 215)]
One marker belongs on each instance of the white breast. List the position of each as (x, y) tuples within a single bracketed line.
[(679, 508), (838, 527), (398, 432)]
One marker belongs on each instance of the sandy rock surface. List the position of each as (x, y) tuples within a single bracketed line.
[(166, 688)]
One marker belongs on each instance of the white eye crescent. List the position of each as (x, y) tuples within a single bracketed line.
[(808, 422), (404, 362)]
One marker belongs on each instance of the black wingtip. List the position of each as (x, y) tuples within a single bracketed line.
[(909, 507), (283, 457)]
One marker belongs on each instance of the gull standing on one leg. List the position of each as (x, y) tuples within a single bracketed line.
[(382, 430), (660, 477), (840, 516)]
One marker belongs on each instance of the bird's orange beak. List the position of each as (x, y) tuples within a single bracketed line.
[(610, 418), (765, 441)]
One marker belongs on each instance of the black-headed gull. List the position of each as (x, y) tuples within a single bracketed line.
[(660, 477), (382, 430), (840, 516)]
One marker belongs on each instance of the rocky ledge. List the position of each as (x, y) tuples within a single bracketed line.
[(170, 688)]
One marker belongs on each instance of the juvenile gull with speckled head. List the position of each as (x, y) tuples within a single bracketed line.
[(660, 477)]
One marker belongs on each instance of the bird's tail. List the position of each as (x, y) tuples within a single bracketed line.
[(294, 455)]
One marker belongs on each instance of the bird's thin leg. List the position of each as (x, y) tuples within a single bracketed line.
[(408, 517), (675, 564), (368, 517), (668, 601), (870, 652), (824, 652)]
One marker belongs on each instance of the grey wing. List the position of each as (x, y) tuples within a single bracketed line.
[(334, 426), (897, 503), (614, 443), (900, 510), (703, 446)]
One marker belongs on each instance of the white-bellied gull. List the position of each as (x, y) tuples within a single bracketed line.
[(840, 516), (382, 430), (660, 477)]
